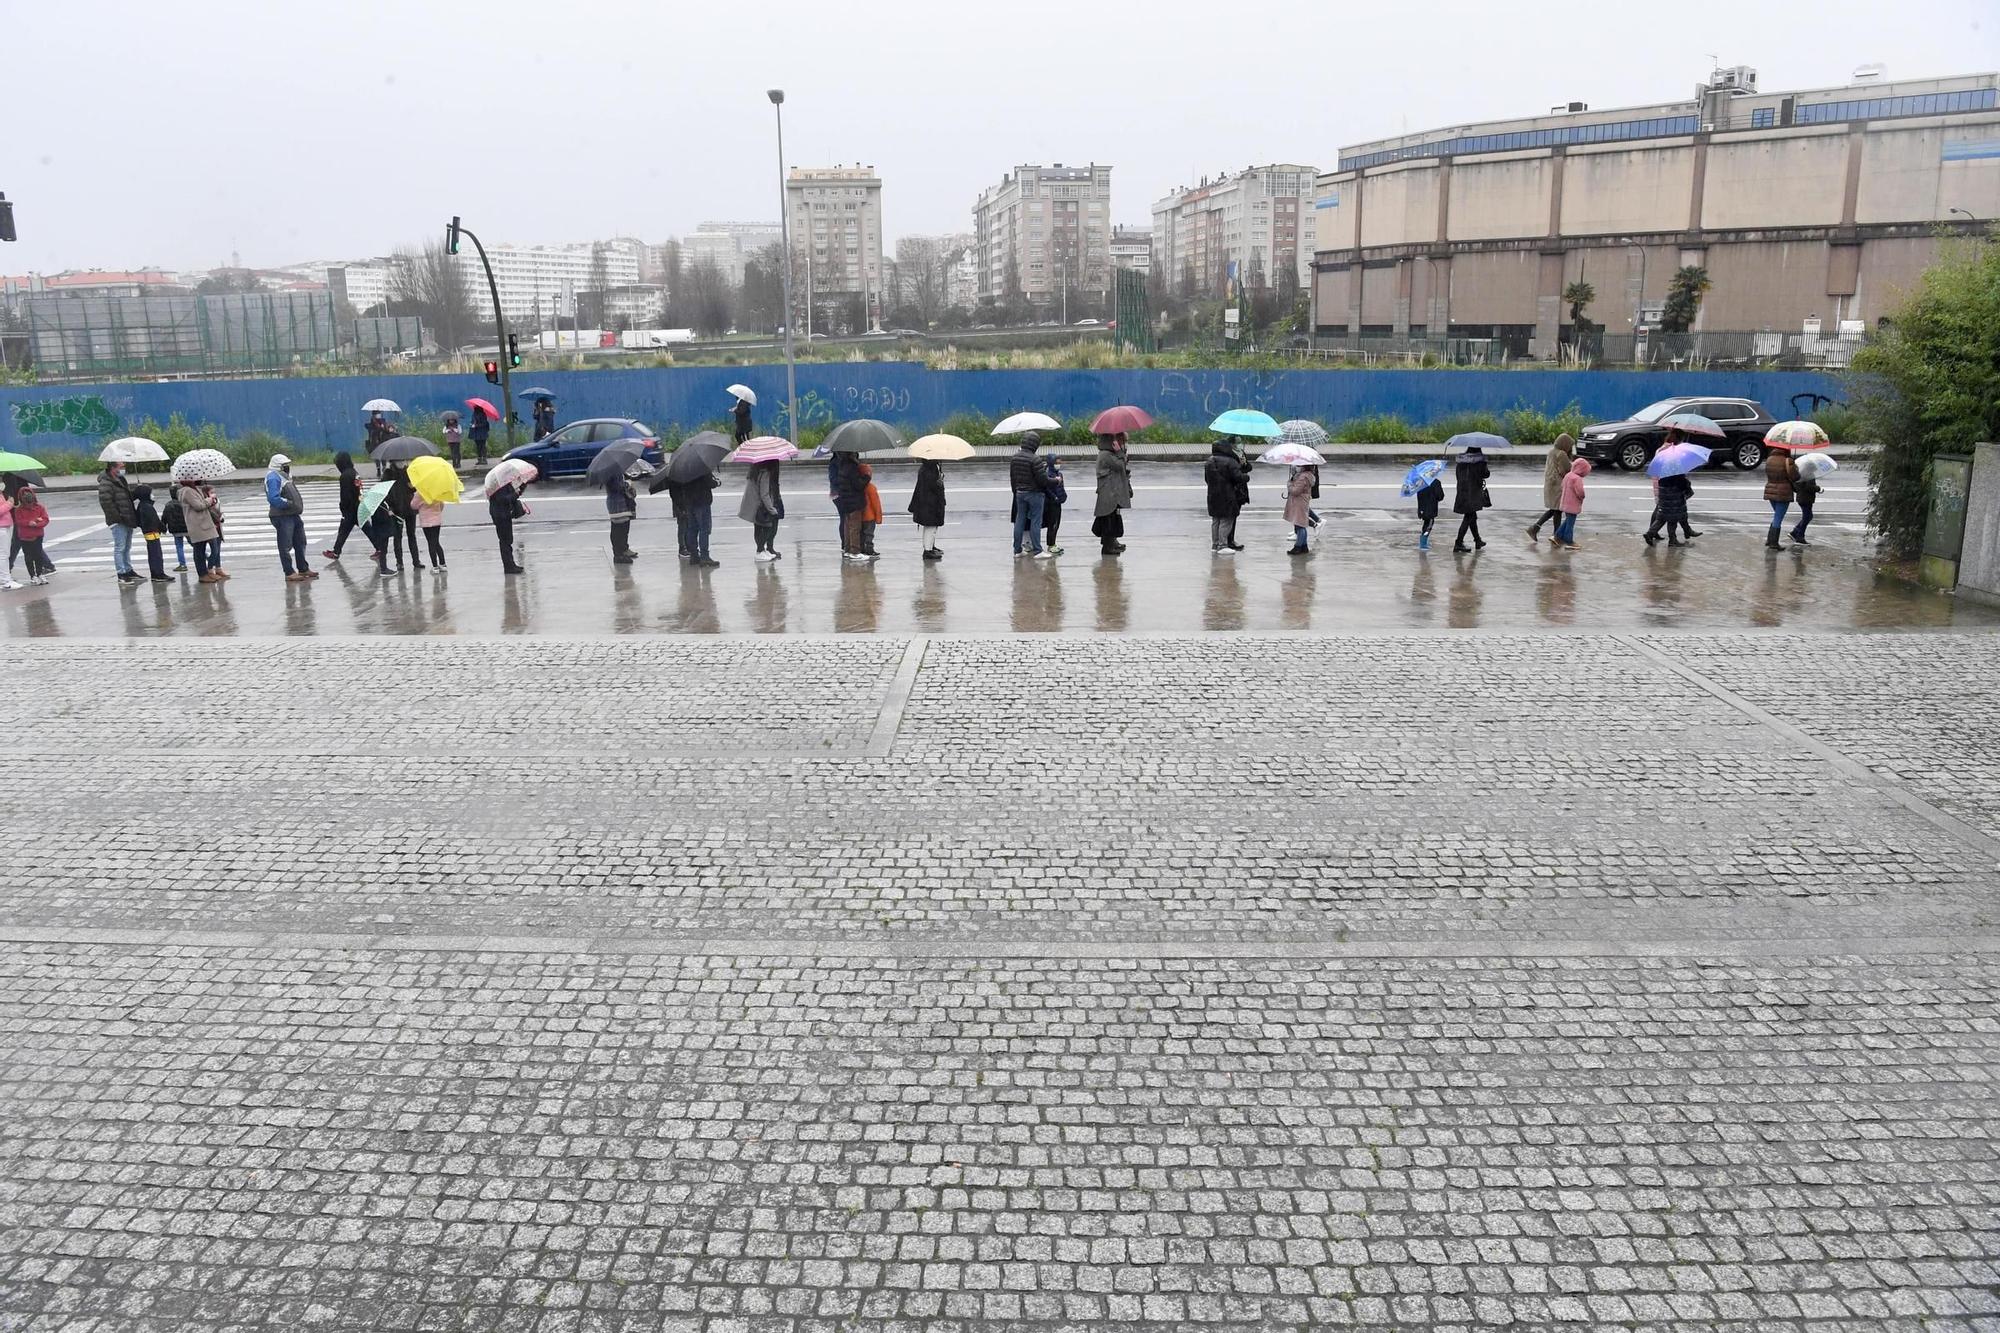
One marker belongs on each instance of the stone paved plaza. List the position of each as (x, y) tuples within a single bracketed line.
[(1241, 982)]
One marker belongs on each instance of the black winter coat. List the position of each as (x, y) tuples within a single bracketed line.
[(1228, 479), (350, 486), (850, 488), (1472, 494), (1430, 499), (1674, 494), (401, 500), (927, 500), (1026, 472)]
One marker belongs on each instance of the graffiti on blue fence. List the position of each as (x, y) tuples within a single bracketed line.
[(86, 416), (868, 400), (813, 411)]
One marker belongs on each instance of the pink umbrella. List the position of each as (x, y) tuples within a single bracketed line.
[(484, 406), (1125, 419), (764, 449)]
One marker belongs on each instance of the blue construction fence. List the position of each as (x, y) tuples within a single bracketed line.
[(327, 412)]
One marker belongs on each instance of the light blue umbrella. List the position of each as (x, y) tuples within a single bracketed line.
[(1247, 421), (1422, 475), (1478, 439), (1677, 460)]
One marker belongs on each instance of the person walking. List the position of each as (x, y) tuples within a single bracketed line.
[(1555, 471), (401, 504), (850, 498), (1227, 477), (287, 512), (1114, 493), (1471, 497), (762, 508), (503, 507), (1055, 494), (453, 438), (1671, 512), (927, 505), (621, 502), (1027, 479), (202, 513), (114, 498), (1298, 508), (1804, 491), (430, 518), (149, 529), (1429, 501), (698, 496), (545, 418), (1571, 503), (482, 427), (740, 415), (31, 522), (348, 488), (1781, 476)]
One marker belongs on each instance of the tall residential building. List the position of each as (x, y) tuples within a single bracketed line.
[(539, 280), (1041, 227), (1258, 220), (836, 219), (1132, 247), (961, 280), (728, 244), (1809, 209)]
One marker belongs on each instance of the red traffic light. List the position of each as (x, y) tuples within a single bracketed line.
[(492, 372)]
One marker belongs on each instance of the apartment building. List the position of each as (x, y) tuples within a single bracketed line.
[(836, 224), (1248, 227), (1041, 228)]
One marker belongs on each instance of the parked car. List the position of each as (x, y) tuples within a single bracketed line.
[(1632, 443), (568, 451)]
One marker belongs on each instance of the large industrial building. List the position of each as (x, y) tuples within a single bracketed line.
[(1808, 209)]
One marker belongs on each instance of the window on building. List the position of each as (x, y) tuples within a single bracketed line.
[(1763, 117)]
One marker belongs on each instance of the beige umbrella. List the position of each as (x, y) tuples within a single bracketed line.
[(943, 448)]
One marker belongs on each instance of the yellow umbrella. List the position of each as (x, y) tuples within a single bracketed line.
[(941, 447), (434, 480)]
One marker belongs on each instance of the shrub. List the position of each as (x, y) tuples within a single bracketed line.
[(1382, 429), (1458, 423), (1839, 421)]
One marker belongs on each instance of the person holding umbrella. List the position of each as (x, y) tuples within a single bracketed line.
[(850, 501), (1028, 479), (1471, 496), (621, 502), (503, 505), (121, 515), (1298, 508), (1114, 492), (482, 427), (1227, 478), (1781, 477), (202, 513), (927, 505), (545, 418), (740, 414), (762, 507), (402, 508)]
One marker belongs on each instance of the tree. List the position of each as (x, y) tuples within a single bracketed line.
[(674, 277), (1578, 296), (761, 300), (710, 305), (920, 266), (434, 283), (226, 280), (1684, 292), (1928, 383), (600, 271)]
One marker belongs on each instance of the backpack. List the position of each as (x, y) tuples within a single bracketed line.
[(175, 520)]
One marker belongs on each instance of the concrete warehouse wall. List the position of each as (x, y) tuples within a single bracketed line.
[(328, 411)]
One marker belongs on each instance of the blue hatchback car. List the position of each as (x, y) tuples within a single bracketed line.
[(568, 451)]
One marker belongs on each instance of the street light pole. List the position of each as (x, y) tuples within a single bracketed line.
[(777, 96)]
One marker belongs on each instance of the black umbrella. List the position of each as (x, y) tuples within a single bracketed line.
[(402, 449), (614, 460), (698, 456), (862, 436)]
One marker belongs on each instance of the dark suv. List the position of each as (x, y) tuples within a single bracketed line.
[(1632, 443)]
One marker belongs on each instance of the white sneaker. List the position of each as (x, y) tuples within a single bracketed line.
[(39, 580), (8, 585), (1225, 550), (1045, 555), (855, 557), (765, 557)]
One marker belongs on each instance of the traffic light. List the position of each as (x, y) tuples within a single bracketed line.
[(492, 372), (451, 237), (6, 219), (513, 349)]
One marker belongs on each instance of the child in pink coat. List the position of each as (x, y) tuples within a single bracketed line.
[(1572, 503), (430, 517)]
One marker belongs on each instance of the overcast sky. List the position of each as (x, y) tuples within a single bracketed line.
[(176, 132)]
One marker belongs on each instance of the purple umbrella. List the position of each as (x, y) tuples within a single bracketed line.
[(1678, 459)]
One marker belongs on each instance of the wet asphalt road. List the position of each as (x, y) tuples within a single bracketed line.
[(1364, 575)]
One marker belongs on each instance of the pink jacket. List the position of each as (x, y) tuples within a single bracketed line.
[(428, 515), (1572, 501)]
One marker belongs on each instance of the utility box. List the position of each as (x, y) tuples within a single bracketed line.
[(1976, 547)]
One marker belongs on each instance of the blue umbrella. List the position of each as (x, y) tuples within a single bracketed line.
[(533, 393), (1422, 475), (1478, 439), (1246, 421), (1677, 460)]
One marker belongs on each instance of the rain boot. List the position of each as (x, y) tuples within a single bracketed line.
[(1423, 541)]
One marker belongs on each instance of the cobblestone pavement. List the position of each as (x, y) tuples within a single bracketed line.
[(1235, 982)]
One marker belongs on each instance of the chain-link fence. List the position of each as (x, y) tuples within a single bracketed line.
[(73, 337)]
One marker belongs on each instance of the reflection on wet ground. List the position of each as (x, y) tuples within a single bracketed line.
[(1363, 576)]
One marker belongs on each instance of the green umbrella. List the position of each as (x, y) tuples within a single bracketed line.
[(371, 500), (10, 462)]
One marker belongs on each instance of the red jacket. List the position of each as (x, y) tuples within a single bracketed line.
[(31, 519)]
